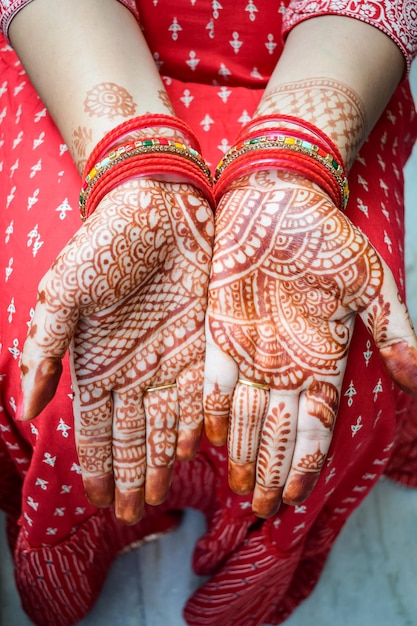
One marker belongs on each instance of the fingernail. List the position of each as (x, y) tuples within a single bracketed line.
[(216, 430), (158, 480), (129, 506), (241, 477), (300, 487), (187, 444), (400, 360), (266, 500), (99, 490), (45, 382)]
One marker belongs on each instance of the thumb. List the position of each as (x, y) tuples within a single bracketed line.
[(48, 339), (388, 320)]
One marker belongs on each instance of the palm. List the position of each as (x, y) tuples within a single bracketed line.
[(289, 274), (128, 294)]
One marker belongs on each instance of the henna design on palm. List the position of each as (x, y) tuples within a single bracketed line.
[(128, 294), (289, 274)]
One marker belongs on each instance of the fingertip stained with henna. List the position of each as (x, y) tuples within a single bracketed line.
[(299, 488), (129, 506), (158, 480), (400, 360), (47, 375), (99, 490), (241, 477), (266, 500)]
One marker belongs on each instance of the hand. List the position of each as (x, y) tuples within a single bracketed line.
[(128, 295), (289, 274)]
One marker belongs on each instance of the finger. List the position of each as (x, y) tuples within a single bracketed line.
[(250, 404), (190, 400), (275, 453), (220, 376), (162, 416), (129, 456), (47, 341), (317, 415), (93, 436), (388, 321)]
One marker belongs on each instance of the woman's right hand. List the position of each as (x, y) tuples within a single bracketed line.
[(128, 296)]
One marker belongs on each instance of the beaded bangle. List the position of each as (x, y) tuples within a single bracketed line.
[(148, 157), (276, 123), (285, 142), (135, 124)]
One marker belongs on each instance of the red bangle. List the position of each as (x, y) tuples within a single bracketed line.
[(147, 164), (134, 124), (269, 151), (277, 123), (279, 160)]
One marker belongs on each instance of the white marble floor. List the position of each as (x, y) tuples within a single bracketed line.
[(370, 578)]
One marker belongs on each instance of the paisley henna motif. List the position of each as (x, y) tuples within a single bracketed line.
[(277, 433), (128, 294), (164, 98), (378, 320)]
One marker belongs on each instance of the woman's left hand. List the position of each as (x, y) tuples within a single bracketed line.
[(290, 272)]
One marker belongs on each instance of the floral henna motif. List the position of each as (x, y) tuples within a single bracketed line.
[(378, 320), (82, 139), (323, 402), (216, 413), (109, 100), (130, 290), (304, 477)]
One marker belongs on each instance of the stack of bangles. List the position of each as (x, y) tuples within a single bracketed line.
[(113, 162), (283, 143), (308, 152)]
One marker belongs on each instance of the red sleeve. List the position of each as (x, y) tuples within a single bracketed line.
[(396, 18)]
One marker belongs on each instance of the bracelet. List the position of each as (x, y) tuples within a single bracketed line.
[(272, 143), (144, 158), (277, 122), (135, 124)]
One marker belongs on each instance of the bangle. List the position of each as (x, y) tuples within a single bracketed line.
[(276, 149), (276, 123), (148, 157), (135, 124)]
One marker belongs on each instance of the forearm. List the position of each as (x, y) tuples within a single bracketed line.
[(90, 65), (337, 73)]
